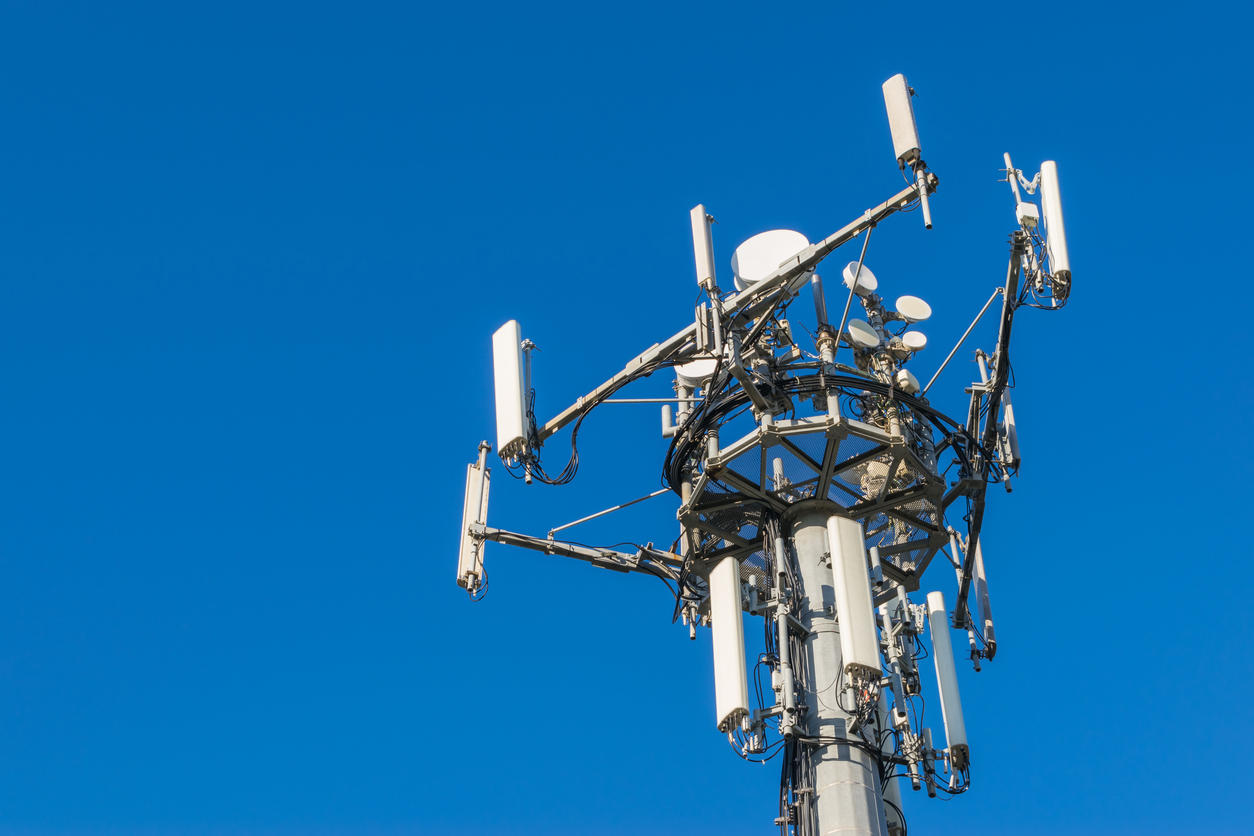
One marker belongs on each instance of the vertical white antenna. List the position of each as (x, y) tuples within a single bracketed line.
[(859, 644), (982, 598), (511, 399), (1055, 234), (731, 681), (901, 120), (703, 248), (474, 511), (947, 681), (906, 136)]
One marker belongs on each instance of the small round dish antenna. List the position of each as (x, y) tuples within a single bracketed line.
[(914, 340), (913, 309), (695, 373), (866, 279), (862, 335), (759, 256)]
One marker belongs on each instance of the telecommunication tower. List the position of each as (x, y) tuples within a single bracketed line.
[(815, 489)]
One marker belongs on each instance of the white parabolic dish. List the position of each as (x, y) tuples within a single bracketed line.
[(866, 279), (913, 309), (862, 335), (914, 340), (695, 373), (759, 256)]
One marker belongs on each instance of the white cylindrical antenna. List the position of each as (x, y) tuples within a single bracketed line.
[(901, 120), (947, 681), (1055, 233), (474, 511), (511, 398), (731, 682), (859, 644), (703, 248)]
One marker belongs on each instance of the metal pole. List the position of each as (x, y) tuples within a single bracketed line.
[(847, 798), (962, 339)]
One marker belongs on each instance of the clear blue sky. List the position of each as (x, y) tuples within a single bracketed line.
[(251, 259)]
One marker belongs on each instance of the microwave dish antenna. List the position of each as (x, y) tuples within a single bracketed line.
[(862, 335), (913, 309), (914, 340), (760, 256), (866, 282)]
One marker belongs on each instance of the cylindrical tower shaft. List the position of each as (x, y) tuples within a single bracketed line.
[(846, 784)]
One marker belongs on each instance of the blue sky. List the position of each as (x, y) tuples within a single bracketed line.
[(252, 257)]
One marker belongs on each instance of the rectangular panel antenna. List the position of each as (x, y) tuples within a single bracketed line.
[(901, 120), (731, 681), (1055, 233), (859, 644), (474, 512), (511, 398), (947, 680), (980, 581), (703, 247)]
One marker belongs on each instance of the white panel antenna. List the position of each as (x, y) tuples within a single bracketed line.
[(901, 120), (947, 681), (511, 396), (905, 133), (1009, 433), (980, 579), (1055, 233), (731, 681), (859, 642), (474, 512), (703, 248)]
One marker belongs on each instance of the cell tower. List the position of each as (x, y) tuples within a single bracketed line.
[(815, 489)]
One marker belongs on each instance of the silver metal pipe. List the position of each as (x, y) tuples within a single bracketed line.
[(650, 400), (962, 339), (658, 492), (921, 179), (820, 302)]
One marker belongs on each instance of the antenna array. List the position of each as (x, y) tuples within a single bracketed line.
[(815, 490)]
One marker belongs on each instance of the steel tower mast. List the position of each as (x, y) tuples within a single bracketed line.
[(815, 489)]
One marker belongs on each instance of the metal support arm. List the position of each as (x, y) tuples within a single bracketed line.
[(668, 562)]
